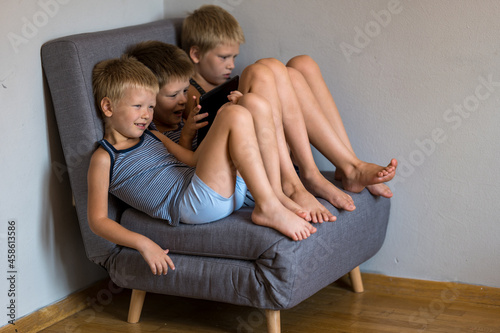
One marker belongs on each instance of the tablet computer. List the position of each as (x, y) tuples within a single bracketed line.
[(212, 101)]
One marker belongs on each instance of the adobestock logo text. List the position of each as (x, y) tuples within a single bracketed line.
[(30, 27)]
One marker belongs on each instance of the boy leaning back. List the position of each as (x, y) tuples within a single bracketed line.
[(151, 173)]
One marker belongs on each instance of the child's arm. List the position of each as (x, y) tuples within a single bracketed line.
[(191, 125), (182, 154), (100, 224)]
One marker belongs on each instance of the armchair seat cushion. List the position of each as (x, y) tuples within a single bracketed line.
[(234, 237)]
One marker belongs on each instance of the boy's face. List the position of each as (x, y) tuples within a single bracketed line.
[(170, 104), (130, 116), (216, 65)]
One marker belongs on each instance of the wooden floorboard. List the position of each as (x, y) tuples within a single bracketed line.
[(387, 305)]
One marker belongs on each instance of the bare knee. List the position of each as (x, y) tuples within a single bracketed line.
[(294, 74), (235, 115), (270, 62), (257, 105), (301, 60), (303, 63), (274, 64), (256, 74)]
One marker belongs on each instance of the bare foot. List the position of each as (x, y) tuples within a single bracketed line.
[(321, 187), (317, 211), (358, 177), (278, 217), (294, 207), (380, 189)]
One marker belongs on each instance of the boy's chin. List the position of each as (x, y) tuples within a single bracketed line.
[(172, 121), (223, 80), (217, 81)]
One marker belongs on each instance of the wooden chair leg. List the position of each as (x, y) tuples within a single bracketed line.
[(357, 282), (273, 321), (136, 303)]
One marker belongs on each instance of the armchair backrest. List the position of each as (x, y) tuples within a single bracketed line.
[(67, 63)]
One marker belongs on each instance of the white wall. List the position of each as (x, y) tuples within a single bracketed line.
[(50, 262), (405, 92)]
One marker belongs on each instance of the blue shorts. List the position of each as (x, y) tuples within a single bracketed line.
[(201, 204)]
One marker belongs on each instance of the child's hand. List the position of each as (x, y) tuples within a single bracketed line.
[(193, 118), (234, 96), (191, 125), (156, 258)]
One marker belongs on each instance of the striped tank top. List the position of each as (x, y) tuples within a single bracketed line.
[(175, 135), (148, 178)]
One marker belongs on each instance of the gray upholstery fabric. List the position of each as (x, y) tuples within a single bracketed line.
[(231, 260)]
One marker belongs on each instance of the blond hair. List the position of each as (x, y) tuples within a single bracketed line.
[(209, 26), (167, 62), (111, 77)]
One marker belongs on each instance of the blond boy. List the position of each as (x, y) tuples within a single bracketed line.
[(211, 37), (151, 173)]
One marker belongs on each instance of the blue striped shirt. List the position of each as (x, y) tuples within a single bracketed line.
[(148, 178), (175, 135)]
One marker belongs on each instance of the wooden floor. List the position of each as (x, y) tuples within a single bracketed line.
[(387, 305)]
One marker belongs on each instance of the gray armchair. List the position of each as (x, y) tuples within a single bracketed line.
[(231, 260)]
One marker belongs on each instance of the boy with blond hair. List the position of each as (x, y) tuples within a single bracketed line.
[(151, 173), (310, 117), (211, 37), (173, 69)]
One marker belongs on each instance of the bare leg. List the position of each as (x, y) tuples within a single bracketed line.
[(326, 105), (356, 173), (296, 133), (258, 79), (312, 74), (231, 145), (263, 122)]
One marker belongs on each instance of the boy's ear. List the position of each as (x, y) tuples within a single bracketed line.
[(106, 107), (194, 54)]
